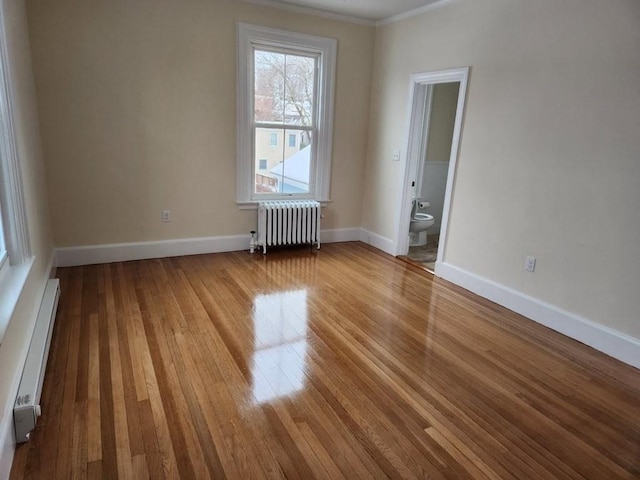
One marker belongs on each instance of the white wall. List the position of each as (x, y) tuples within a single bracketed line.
[(16, 341), (137, 103), (434, 184), (549, 162)]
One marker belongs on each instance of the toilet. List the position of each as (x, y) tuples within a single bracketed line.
[(420, 223)]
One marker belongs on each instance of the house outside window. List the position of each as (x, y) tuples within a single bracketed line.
[(286, 84)]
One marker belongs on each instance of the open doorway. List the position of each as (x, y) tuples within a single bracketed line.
[(437, 104)]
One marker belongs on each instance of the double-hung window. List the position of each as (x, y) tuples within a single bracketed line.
[(15, 251), (285, 114)]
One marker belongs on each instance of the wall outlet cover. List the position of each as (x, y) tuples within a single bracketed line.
[(530, 264)]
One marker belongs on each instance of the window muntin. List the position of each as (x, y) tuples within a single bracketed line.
[(285, 88)]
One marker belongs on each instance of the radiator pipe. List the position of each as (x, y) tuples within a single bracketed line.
[(252, 242)]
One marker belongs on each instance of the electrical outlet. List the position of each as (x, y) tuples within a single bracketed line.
[(530, 264), (166, 215), (396, 156)]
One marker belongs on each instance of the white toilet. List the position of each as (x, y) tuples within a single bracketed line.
[(420, 223)]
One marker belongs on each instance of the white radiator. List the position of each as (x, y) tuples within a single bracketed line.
[(287, 222), (27, 407)]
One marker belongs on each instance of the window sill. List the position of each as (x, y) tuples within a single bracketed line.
[(253, 205), (12, 282)]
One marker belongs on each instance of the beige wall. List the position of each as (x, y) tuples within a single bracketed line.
[(137, 103), (549, 161), (18, 335)]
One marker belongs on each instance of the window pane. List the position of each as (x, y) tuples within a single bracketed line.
[(3, 251), (269, 85), (284, 88), (287, 168), (299, 89), (2, 247)]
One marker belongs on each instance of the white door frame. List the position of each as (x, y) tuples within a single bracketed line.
[(419, 132), (413, 138)]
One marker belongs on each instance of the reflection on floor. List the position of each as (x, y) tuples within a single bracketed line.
[(426, 254)]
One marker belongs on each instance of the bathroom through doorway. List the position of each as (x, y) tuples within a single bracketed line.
[(437, 102)]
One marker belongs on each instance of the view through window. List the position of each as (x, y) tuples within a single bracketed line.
[(284, 102)]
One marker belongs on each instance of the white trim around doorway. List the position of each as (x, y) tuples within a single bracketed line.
[(415, 127)]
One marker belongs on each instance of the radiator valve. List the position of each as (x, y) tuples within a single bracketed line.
[(252, 242)]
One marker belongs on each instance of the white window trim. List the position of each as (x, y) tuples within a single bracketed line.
[(17, 265), (3, 248), (248, 36)]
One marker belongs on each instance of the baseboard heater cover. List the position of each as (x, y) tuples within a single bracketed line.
[(27, 407)]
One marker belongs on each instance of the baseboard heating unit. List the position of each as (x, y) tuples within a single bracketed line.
[(288, 223), (27, 407)]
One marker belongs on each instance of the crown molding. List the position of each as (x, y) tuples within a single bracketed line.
[(312, 11), (349, 18), (414, 12)]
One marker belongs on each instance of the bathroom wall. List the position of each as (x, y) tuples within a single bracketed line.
[(137, 103), (443, 116), (433, 188), (434, 172), (548, 163)]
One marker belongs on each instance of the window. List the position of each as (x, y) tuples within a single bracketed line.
[(15, 251), (285, 90), (3, 248), (263, 164)]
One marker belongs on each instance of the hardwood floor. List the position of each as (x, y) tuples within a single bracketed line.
[(340, 363)]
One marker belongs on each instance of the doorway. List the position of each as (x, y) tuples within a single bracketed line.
[(435, 121)]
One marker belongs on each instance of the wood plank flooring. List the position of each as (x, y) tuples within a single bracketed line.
[(338, 363)]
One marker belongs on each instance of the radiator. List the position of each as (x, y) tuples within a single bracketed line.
[(288, 223), (27, 407)]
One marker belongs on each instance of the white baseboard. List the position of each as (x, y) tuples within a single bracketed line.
[(122, 252), (378, 241), (615, 344), (7, 434), (340, 235)]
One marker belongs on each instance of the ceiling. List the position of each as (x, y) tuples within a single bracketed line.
[(364, 10)]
